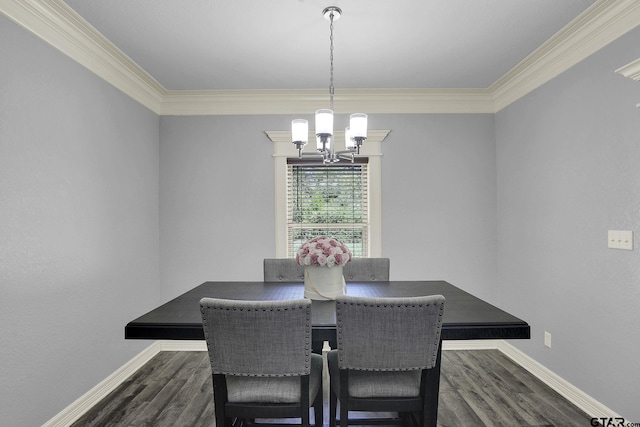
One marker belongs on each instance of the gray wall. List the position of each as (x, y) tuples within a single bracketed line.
[(95, 190), (78, 227), (439, 200), (217, 198), (568, 159)]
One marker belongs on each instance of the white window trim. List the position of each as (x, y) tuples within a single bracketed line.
[(283, 148)]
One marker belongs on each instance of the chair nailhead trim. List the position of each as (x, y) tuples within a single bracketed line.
[(382, 305)]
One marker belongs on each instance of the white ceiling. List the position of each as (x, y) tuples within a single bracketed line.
[(284, 44)]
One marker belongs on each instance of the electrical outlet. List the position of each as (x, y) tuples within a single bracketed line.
[(620, 239), (547, 339)]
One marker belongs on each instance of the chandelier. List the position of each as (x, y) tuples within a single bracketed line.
[(354, 135)]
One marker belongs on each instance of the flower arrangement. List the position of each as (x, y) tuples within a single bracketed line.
[(323, 252)]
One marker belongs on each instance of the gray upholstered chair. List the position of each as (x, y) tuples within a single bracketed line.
[(359, 269), (283, 270), (386, 356), (366, 270), (261, 360)]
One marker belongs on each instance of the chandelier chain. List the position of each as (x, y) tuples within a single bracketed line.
[(331, 90)]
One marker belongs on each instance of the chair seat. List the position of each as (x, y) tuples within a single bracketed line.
[(375, 383), (243, 389)]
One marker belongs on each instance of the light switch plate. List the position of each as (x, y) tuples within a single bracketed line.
[(620, 239)]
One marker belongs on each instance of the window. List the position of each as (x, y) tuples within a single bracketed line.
[(330, 200), (284, 153)]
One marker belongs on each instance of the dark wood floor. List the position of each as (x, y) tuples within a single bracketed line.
[(478, 388)]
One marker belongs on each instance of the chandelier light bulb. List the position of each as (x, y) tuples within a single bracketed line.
[(348, 141), (300, 132), (358, 125), (324, 122)]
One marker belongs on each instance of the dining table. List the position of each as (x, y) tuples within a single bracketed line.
[(466, 317)]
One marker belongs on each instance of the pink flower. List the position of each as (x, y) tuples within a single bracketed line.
[(338, 258), (331, 261), (323, 251)]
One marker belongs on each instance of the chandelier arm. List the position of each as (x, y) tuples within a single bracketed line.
[(346, 155), (303, 154)]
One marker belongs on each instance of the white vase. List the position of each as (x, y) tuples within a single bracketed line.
[(323, 283)]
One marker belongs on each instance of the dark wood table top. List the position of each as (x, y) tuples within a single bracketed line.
[(466, 316)]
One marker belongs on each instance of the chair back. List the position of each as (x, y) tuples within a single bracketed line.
[(283, 270), (366, 270), (388, 334), (258, 338), (359, 269)]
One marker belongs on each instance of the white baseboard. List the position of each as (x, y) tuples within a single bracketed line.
[(579, 398), (183, 345), (85, 402), (470, 344), (588, 404)]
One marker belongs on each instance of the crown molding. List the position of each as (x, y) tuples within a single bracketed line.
[(408, 101), (631, 70), (599, 25), (59, 25)]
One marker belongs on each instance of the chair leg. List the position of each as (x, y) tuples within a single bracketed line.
[(318, 409), (333, 403), (219, 399), (304, 399), (318, 418), (430, 409), (344, 414), (413, 418), (344, 397)]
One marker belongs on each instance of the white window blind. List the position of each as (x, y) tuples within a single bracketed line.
[(328, 200)]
